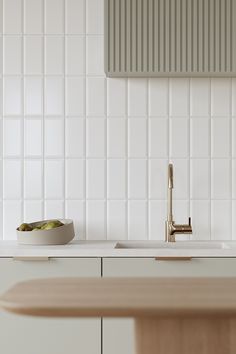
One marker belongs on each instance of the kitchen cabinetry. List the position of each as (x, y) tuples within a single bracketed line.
[(27, 335), (118, 335)]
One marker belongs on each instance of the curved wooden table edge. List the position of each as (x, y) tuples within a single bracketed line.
[(174, 316)]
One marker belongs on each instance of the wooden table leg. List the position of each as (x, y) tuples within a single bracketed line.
[(186, 336)]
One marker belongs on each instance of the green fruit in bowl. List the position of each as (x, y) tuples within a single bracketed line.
[(52, 225), (42, 227), (25, 227)]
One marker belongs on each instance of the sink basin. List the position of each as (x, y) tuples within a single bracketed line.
[(175, 245)]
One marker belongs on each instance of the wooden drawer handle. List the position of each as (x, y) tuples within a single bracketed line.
[(30, 258), (169, 258)]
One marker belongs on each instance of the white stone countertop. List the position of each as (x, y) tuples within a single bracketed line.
[(130, 249)]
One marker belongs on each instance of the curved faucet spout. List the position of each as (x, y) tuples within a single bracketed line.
[(170, 176), (170, 187)]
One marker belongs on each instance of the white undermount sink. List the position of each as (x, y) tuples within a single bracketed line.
[(192, 245)]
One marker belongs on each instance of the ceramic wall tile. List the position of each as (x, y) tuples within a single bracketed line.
[(54, 55), (54, 184), (95, 16), (54, 96), (96, 142), (137, 179), (200, 97), (12, 142), (12, 177), (12, 49), (95, 55), (33, 55), (33, 179), (116, 97), (116, 179), (33, 137), (137, 220), (221, 179), (137, 97), (116, 137), (95, 177), (116, 220), (220, 97), (75, 56), (75, 181), (12, 16), (54, 16), (179, 97), (159, 97), (96, 220), (75, 16), (33, 15), (137, 138), (53, 137)]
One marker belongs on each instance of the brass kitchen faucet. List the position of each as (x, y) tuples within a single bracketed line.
[(171, 228)]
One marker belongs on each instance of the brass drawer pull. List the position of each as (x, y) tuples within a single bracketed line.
[(30, 258), (169, 258)]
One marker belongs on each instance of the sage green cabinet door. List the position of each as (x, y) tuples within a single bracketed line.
[(118, 334), (29, 335)]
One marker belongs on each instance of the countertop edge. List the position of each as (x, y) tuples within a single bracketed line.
[(103, 249)]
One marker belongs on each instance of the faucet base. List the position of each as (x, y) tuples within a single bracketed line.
[(169, 235), (172, 229)]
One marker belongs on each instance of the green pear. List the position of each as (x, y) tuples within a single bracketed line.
[(52, 225), (57, 223), (25, 227), (42, 227)]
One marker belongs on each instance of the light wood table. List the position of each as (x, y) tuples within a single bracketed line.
[(173, 316)]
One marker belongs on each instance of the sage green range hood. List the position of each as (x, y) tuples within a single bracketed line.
[(170, 38)]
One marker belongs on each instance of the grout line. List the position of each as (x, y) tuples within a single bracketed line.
[(231, 157), (168, 138), (52, 34), (114, 199), (60, 157), (43, 107), (85, 206), (23, 102), (210, 160), (148, 161), (168, 119), (59, 116), (102, 345), (233, 164), (127, 159), (3, 109), (188, 145), (106, 164), (57, 75), (64, 111)]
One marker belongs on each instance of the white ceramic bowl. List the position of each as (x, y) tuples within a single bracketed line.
[(57, 236)]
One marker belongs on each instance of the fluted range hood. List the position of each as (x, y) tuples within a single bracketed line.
[(170, 38)]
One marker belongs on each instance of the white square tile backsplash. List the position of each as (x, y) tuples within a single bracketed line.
[(76, 144)]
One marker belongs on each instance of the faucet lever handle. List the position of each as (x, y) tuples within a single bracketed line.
[(189, 221)]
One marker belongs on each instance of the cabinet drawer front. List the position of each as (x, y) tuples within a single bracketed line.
[(122, 331), (151, 267), (29, 335), (14, 270)]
